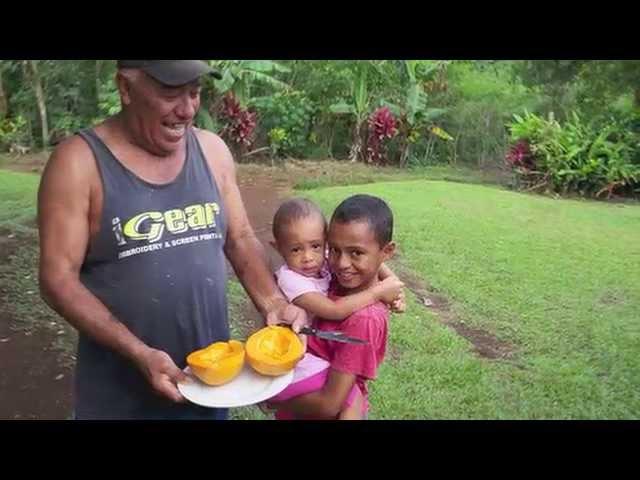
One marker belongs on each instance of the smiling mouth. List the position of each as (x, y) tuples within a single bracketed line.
[(346, 276), (175, 129)]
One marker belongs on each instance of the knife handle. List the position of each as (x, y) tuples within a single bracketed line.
[(303, 330)]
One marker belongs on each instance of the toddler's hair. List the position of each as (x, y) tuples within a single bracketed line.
[(293, 210)]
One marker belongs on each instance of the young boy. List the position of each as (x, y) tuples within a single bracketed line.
[(300, 230), (360, 240)]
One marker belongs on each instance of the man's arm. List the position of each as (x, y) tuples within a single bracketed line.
[(64, 201), (242, 247), (325, 403)]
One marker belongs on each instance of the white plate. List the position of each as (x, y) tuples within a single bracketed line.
[(248, 388)]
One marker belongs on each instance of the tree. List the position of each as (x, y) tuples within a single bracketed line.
[(88, 88), (358, 104), (555, 77), (242, 76), (32, 73), (603, 80), (3, 96), (325, 83), (413, 111)]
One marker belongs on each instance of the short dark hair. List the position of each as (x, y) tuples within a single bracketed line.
[(293, 210), (373, 210)]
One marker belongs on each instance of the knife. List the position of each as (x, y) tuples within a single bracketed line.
[(326, 335)]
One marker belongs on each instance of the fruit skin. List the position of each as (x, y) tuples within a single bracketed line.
[(274, 350), (219, 363)]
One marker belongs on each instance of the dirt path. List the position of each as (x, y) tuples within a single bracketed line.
[(34, 381), (32, 384)]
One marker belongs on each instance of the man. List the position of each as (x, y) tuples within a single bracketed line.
[(136, 216)]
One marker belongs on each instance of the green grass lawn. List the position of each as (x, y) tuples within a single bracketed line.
[(558, 279), (18, 197)]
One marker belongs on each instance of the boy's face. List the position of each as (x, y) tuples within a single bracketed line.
[(302, 245), (355, 255)]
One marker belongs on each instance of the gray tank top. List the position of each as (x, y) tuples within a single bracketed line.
[(158, 265)]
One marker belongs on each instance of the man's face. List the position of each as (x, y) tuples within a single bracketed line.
[(355, 255), (163, 113)]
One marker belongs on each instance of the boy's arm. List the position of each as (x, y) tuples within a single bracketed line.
[(339, 309), (325, 403)]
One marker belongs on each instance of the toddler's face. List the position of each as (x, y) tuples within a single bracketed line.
[(302, 245)]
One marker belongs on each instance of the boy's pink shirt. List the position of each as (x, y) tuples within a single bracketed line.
[(370, 324)]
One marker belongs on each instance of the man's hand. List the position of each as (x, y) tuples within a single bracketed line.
[(162, 374), (284, 312)]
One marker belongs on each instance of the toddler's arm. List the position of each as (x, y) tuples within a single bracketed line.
[(397, 304), (321, 306), (385, 272)]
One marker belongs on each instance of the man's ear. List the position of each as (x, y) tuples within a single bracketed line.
[(124, 87), (389, 250)]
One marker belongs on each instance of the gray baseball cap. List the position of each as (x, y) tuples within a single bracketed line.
[(173, 73)]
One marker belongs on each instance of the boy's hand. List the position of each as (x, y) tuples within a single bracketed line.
[(389, 289)]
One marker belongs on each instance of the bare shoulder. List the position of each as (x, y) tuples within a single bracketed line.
[(216, 151), (68, 181), (72, 159), (222, 168)]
